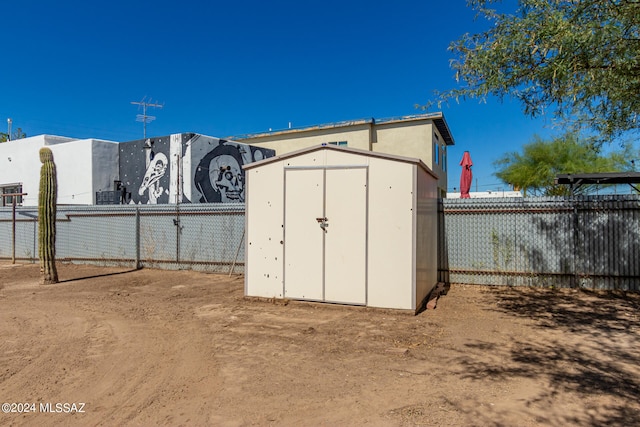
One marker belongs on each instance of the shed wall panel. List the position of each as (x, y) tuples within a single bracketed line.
[(265, 232), (303, 238), (426, 235), (346, 235), (390, 234)]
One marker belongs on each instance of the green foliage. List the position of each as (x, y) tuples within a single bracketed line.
[(535, 169), (18, 134), (579, 58), (47, 199), (502, 250)]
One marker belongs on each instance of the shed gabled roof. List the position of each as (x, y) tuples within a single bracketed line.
[(356, 151)]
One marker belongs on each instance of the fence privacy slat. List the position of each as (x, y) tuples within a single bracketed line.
[(195, 236), (587, 241)]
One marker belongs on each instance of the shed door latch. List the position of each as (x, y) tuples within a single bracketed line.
[(323, 221)]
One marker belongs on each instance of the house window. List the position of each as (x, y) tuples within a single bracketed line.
[(444, 159), (338, 143), (11, 189), (437, 155)]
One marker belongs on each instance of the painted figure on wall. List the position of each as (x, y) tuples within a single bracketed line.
[(219, 176), (145, 168), (151, 181), (186, 168)]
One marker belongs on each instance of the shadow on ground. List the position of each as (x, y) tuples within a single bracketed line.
[(95, 276), (593, 352)]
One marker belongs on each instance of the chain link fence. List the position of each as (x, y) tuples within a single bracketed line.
[(591, 242), (207, 237)]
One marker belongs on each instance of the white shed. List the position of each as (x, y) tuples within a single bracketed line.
[(341, 225)]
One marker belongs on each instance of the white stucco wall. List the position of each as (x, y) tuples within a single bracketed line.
[(104, 169), (83, 167)]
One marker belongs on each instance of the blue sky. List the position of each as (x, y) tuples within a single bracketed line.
[(72, 68)]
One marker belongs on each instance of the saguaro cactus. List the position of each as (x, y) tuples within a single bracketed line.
[(47, 199)]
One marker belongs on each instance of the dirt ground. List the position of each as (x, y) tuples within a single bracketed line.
[(110, 346)]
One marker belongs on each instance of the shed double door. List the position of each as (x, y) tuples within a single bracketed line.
[(325, 228)]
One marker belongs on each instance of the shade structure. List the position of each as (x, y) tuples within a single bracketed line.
[(466, 176)]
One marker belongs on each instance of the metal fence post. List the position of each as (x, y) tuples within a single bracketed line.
[(176, 222), (13, 231), (137, 231)]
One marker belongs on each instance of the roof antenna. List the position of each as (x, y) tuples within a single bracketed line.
[(144, 118)]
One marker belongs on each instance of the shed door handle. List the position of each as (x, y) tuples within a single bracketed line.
[(323, 222)]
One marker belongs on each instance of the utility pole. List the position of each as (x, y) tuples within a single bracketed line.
[(144, 118), (9, 122)]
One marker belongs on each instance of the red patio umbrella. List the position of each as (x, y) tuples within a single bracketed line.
[(466, 177)]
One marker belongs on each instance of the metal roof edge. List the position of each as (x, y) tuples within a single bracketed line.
[(93, 140), (409, 118), (305, 128), (443, 128), (437, 117), (193, 134), (57, 139)]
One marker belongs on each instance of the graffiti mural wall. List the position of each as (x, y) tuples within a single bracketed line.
[(186, 168)]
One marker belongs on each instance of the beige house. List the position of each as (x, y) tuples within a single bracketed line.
[(424, 136)]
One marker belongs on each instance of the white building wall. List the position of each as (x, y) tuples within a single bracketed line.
[(20, 163), (79, 174), (104, 169), (73, 167)]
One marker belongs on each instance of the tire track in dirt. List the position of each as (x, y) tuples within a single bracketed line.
[(127, 358), (156, 347), (148, 361)]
